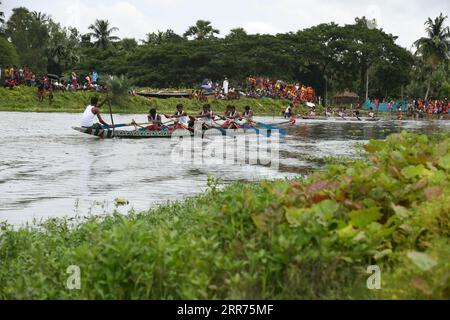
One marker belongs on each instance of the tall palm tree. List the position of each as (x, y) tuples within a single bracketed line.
[(40, 17), (201, 31), (435, 47), (2, 16), (102, 32)]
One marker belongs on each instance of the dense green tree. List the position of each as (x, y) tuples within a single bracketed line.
[(318, 50), (29, 34), (202, 30), (162, 37), (102, 32), (366, 47), (435, 47), (63, 49), (8, 54), (236, 34)]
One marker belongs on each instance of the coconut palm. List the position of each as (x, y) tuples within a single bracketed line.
[(435, 48), (102, 32), (202, 30), (40, 17), (2, 16)]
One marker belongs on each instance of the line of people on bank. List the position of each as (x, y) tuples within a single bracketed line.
[(415, 106), (14, 76)]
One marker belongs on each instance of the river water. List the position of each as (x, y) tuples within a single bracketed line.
[(49, 170)]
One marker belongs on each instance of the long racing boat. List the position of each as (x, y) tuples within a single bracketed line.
[(147, 134)]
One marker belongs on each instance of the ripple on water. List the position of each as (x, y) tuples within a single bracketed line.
[(49, 170)]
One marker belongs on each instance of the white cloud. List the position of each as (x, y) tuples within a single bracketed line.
[(135, 18), (260, 27)]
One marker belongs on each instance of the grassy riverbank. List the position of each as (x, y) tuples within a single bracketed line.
[(24, 99), (301, 239)]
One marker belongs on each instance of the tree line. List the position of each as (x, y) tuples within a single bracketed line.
[(358, 57)]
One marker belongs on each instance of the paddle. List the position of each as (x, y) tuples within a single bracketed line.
[(110, 113), (177, 121), (232, 120), (356, 116), (245, 126), (122, 125), (222, 130), (268, 127)]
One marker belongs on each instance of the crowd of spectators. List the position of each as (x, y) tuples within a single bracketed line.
[(257, 87), (416, 106), (14, 76), (264, 87)]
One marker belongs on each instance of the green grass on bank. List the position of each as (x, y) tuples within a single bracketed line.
[(290, 239), (25, 99)]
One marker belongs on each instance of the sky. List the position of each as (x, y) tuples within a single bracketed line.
[(136, 18)]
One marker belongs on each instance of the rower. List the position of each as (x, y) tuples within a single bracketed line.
[(312, 113), (248, 113), (371, 114), (181, 116), (329, 112), (91, 111), (355, 114), (288, 112), (155, 120), (230, 118), (207, 116)]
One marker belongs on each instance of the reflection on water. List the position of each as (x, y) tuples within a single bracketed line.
[(48, 170)]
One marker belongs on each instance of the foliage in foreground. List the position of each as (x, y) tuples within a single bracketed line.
[(298, 239)]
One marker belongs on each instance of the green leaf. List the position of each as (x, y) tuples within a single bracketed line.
[(326, 208), (400, 211), (362, 218), (444, 162), (381, 254), (413, 171), (347, 232), (438, 177), (422, 260), (293, 215)]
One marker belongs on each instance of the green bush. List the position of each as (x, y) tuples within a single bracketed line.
[(288, 239)]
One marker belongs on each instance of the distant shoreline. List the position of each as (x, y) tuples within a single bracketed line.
[(24, 99)]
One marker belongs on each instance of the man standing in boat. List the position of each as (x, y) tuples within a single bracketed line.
[(288, 112), (93, 110)]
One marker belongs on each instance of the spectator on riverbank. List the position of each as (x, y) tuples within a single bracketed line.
[(94, 77), (225, 86)]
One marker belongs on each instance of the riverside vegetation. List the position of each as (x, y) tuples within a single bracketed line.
[(24, 99), (310, 238)]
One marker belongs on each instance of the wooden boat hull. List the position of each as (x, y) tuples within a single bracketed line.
[(146, 134), (164, 95)]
